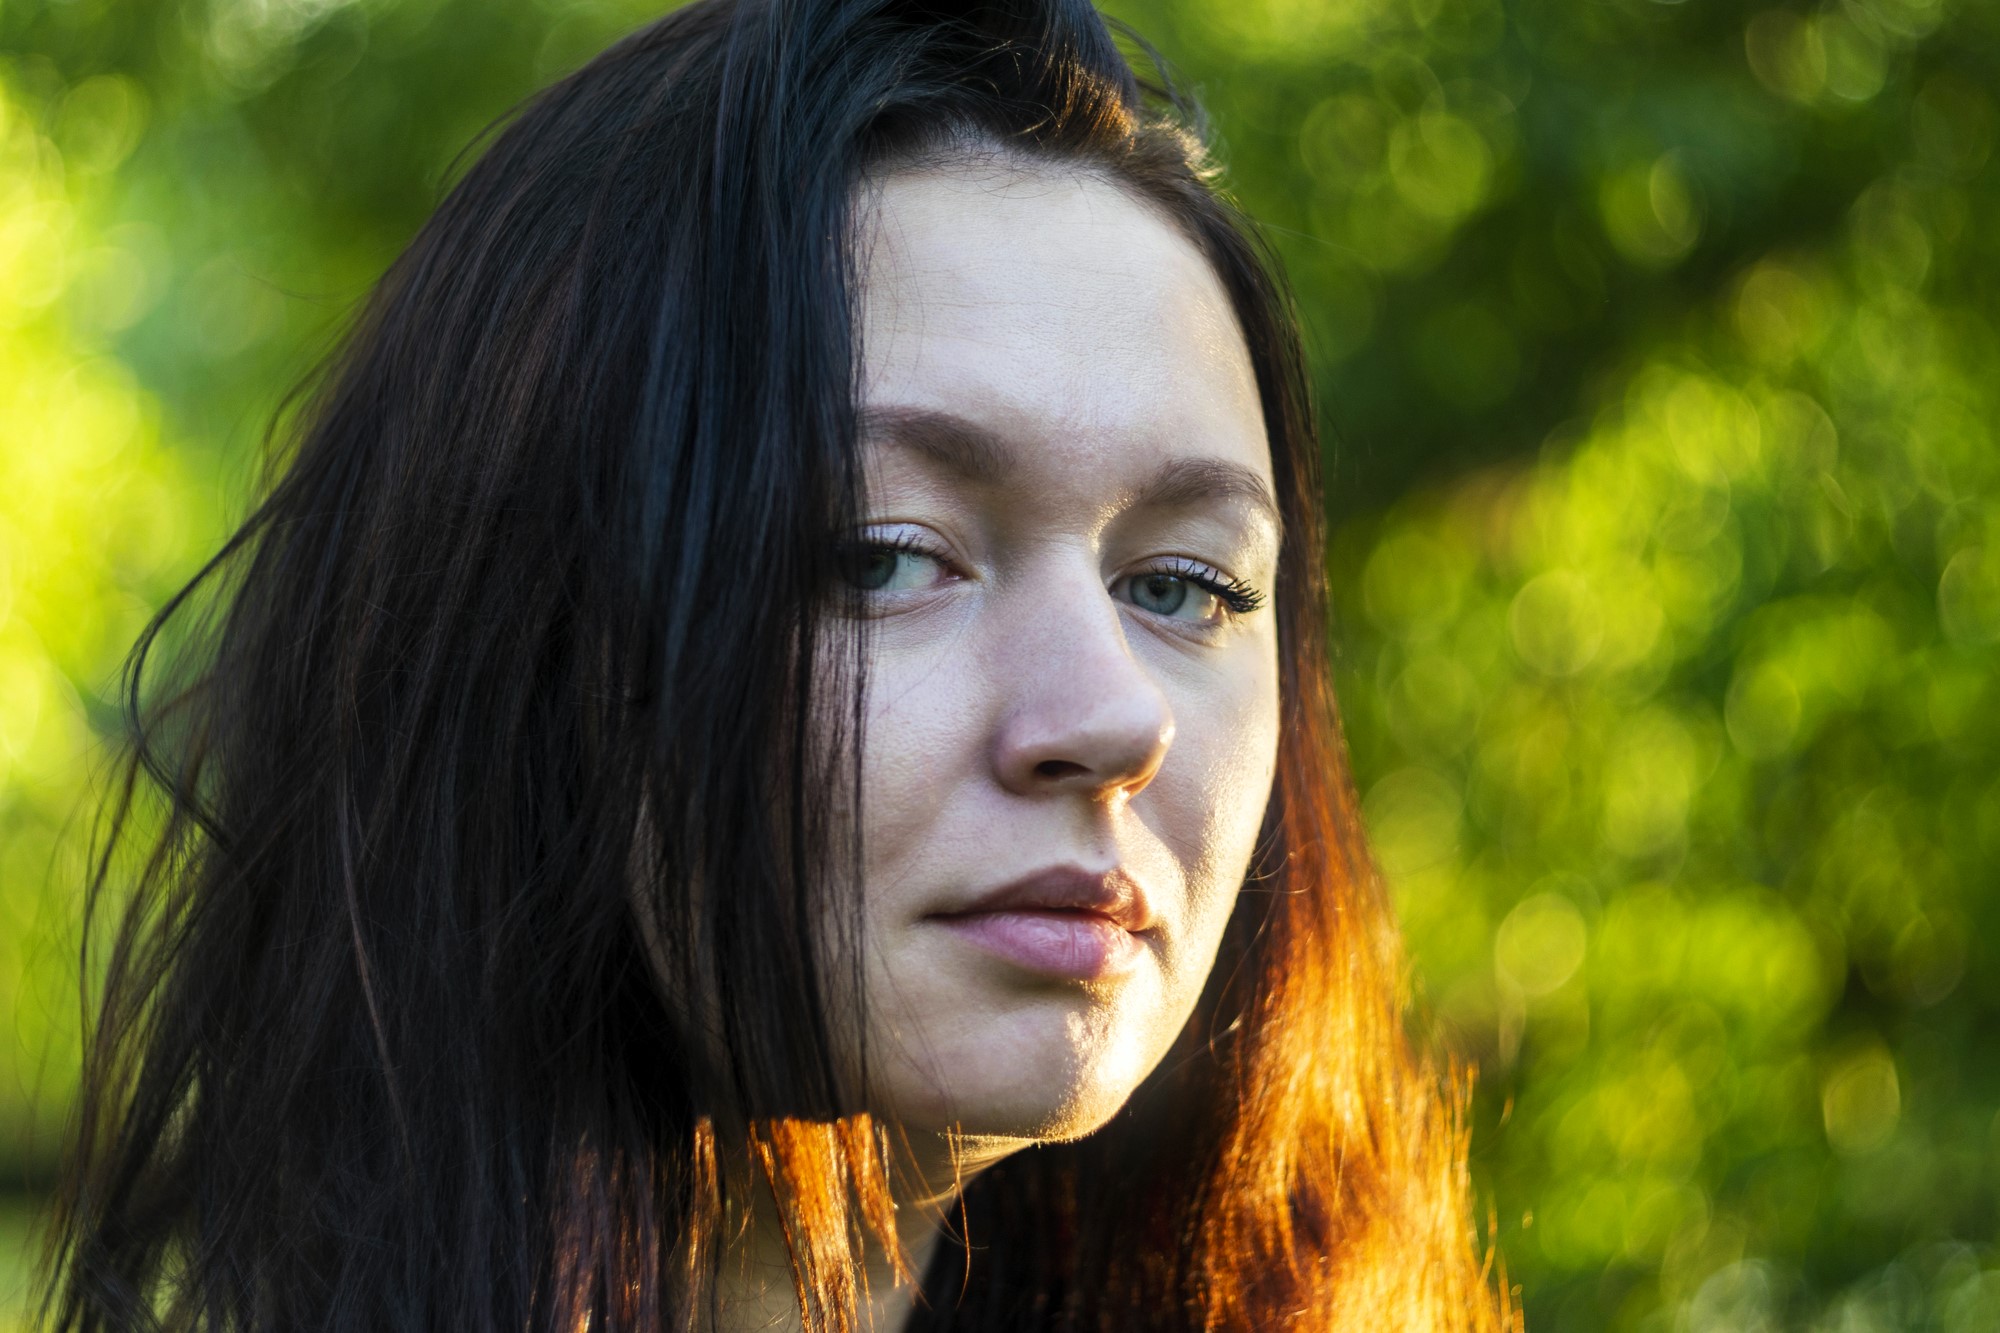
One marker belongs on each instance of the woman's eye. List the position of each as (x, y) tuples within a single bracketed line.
[(881, 568), (1190, 592), (1172, 595)]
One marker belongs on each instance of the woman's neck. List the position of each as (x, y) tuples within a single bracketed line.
[(755, 1285), (756, 1280)]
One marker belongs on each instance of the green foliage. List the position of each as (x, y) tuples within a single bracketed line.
[(1658, 343), (96, 514)]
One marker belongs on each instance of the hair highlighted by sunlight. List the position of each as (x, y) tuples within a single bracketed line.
[(427, 1008)]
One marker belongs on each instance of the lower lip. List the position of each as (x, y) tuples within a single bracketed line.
[(1078, 946)]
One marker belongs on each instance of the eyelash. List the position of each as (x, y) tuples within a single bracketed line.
[(904, 542), (1237, 597)]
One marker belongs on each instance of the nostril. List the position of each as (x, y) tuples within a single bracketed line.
[(1058, 768)]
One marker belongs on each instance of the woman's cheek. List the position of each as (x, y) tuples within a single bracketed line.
[(1227, 745), (917, 750)]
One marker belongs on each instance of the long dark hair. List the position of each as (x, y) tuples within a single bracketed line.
[(476, 931)]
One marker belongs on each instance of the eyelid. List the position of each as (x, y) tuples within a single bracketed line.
[(911, 537), (1185, 567)]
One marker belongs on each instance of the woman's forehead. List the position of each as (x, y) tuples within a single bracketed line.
[(1054, 308)]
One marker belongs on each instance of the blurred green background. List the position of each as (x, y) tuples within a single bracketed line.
[(1657, 346)]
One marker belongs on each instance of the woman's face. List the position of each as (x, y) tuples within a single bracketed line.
[(1072, 706)]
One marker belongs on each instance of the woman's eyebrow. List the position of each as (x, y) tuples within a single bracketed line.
[(1182, 483), (979, 455), (945, 438)]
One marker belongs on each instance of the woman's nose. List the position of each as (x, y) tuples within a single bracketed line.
[(1086, 715)]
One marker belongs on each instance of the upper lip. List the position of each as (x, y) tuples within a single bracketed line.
[(1111, 894)]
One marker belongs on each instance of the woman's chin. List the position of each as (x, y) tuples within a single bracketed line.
[(1046, 1091), (1021, 1118)]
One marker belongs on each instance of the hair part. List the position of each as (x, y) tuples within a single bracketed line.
[(475, 962)]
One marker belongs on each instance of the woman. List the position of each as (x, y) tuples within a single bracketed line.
[(766, 761)]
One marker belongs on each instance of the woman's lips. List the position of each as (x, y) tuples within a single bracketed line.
[(1074, 945)]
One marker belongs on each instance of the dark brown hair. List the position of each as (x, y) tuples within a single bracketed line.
[(513, 641)]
